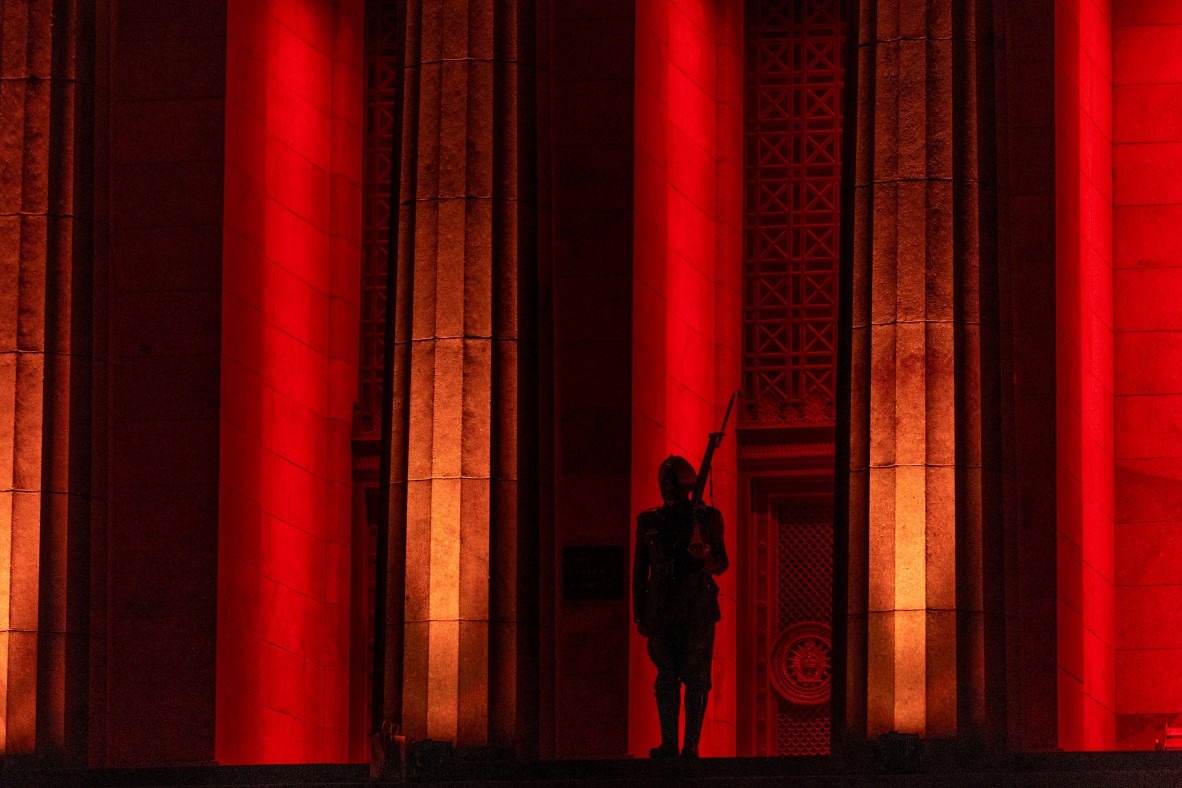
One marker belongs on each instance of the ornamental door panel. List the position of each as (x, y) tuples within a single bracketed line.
[(794, 84), (790, 637)]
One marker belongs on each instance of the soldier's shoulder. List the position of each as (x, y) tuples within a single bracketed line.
[(649, 514)]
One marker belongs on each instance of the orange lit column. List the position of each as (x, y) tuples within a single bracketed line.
[(460, 653), (48, 307), (925, 652)]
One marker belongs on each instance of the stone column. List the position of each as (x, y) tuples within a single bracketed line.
[(50, 470), (462, 557), (925, 649)]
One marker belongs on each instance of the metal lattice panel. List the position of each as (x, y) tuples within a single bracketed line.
[(792, 174), (382, 57), (804, 560), (802, 730), (804, 593)]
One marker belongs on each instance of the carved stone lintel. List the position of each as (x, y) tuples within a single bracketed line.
[(773, 410)]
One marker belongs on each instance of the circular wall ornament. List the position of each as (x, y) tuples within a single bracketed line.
[(801, 663)]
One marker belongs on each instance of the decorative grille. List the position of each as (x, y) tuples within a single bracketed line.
[(802, 730), (805, 563), (382, 56), (804, 593), (371, 587), (795, 76)]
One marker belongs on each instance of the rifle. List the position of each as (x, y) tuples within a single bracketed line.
[(712, 443)]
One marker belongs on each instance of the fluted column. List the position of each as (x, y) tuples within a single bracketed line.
[(925, 591), (463, 519), (47, 318)]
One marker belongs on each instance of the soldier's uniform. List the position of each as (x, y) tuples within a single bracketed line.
[(675, 603)]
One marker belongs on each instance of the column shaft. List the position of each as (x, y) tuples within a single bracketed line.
[(48, 308), (925, 421), (464, 436)]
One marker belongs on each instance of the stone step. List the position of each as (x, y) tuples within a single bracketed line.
[(1038, 770)]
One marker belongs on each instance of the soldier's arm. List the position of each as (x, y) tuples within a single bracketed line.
[(716, 562), (639, 573)]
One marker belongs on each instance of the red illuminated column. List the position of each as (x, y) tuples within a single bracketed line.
[(1084, 341), (288, 378), (460, 655), (686, 302), (48, 438), (924, 646)]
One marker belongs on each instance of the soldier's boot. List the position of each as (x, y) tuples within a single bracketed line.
[(668, 710), (695, 712)]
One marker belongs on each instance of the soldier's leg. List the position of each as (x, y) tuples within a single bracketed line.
[(696, 675), (667, 688)]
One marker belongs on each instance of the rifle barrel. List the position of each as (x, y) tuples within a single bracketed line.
[(712, 443)]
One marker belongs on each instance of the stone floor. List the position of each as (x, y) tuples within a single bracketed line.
[(1039, 770)]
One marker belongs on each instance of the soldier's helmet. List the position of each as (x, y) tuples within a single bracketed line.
[(676, 477)]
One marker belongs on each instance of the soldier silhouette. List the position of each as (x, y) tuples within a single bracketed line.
[(679, 548)]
